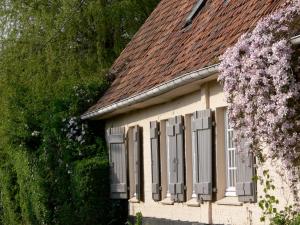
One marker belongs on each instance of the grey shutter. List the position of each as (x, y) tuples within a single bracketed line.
[(188, 156), (155, 160), (176, 158), (137, 160), (163, 158), (118, 163), (202, 147), (245, 186)]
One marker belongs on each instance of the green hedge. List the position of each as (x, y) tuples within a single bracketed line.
[(54, 56), (90, 191)]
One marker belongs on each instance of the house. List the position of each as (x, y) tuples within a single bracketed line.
[(171, 150)]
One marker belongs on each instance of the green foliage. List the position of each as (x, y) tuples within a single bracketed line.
[(90, 190), (285, 218), (54, 57), (138, 219), (268, 204)]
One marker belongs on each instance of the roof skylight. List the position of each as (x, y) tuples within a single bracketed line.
[(198, 6)]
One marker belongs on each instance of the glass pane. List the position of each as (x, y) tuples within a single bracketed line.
[(230, 156)]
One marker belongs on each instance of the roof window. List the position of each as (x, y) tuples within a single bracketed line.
[(195, 10)]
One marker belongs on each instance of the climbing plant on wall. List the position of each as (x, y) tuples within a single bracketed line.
[(260, 74)]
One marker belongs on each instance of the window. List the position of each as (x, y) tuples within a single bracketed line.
[(195, 10), (231, 166), (234, 169)]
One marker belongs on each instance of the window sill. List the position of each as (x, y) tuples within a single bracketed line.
[(167, 201), (134, 200), (193, 203), (229, 201)]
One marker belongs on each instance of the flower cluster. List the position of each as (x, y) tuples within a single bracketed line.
[(262, 88), (75, 130), (82, 93), (35, 133)]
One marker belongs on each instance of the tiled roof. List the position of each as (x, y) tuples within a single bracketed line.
[(163, 50)]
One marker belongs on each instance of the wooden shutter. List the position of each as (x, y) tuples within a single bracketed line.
[(137, 160), (118, 163), (155, 160), (220, 156), (188, 156), (202, 148), (245, 186), (176, 158), (163, 158), (130, 158)]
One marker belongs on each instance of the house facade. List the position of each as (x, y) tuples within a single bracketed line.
[(171, 148)]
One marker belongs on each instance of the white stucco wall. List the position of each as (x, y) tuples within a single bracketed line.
[(210, 213)]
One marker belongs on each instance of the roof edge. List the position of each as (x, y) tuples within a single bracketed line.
[(295, 40), (155, 91), (162, 88)]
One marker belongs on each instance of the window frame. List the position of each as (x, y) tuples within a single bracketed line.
[(230, 162)]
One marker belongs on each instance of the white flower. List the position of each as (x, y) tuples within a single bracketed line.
[(35, 133)]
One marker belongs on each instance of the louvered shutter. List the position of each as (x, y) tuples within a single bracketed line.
[(202, 152), (118, 163), (176, 158), (137, 160), (155, 160), (245, 186)]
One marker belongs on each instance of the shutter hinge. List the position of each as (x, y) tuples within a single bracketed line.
[(158, 133), (185, 187), (214, 190), (160, 188), (213, 123)]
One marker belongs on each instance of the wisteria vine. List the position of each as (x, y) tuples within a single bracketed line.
[(261, 84)]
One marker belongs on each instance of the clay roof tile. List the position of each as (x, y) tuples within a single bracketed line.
[(163, 50)]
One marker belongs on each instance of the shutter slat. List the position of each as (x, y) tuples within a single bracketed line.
[(116, 138), (118, 163), (155, 160), (119, 187), (202, 135)]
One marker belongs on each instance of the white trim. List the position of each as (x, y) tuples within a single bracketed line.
[(162, 88), (295, 40), (230, 192)]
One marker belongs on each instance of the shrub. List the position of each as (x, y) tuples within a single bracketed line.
[(90, 191), (54, 58)]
